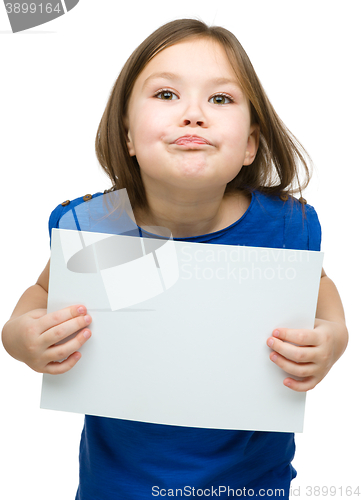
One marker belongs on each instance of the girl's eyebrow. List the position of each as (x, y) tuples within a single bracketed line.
[(178, 78), (166, 75)]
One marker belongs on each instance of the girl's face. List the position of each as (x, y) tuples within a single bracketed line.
[(188, 120)]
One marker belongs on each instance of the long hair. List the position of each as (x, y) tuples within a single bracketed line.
[(275, 168)]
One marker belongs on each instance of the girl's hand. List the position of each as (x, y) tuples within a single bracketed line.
[(31, 337), (313, 357)]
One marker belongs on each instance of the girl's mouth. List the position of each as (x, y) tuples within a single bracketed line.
[(190, 139)]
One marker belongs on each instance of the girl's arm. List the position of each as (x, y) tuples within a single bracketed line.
[(35, 297), (317, 350), (30, 334), (329, 306)]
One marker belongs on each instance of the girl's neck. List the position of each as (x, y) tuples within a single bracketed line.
[(193, 217)]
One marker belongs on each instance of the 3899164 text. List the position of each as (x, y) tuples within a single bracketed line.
[(32, 8), (326, 491)]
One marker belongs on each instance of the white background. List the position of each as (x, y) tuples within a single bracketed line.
[(55, 82)]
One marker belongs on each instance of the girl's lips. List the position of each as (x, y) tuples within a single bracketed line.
[(191, 139)]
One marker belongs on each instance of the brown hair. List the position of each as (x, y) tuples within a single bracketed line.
[(275, 167)]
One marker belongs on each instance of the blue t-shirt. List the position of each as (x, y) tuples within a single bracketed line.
[(128, 460)]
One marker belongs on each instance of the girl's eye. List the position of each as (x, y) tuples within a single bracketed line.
[(166, 95), (221, 99)]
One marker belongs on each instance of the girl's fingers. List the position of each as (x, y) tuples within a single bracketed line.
[(48, 321), (63, 330), (62, 351), (301, 385), (299, 337), (294, 353), (56, 368), (294, 369)]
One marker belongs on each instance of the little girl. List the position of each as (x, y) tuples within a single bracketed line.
[(190, 133)]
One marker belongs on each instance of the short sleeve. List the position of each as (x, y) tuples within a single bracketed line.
[(314, 229), (63, 208), (54, 219)]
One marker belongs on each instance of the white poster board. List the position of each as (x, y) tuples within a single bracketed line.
[(192, 350)]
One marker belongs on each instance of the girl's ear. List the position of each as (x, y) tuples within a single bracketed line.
[(129, 141), (130, 146), (253, 144)]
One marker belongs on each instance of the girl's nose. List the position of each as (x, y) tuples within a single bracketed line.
[(192, 122), (194, 116)]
